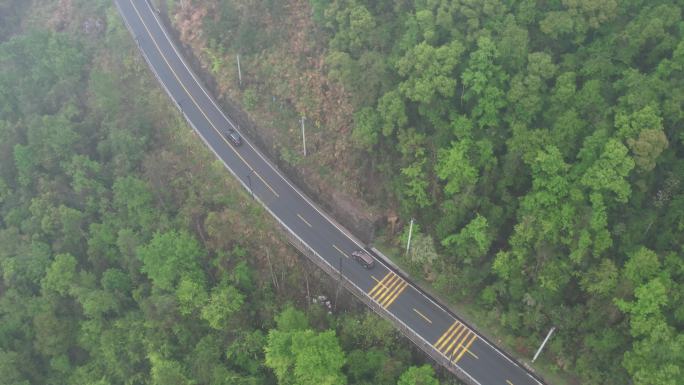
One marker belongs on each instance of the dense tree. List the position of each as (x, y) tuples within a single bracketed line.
[(428, 71), (422, 253), (472, 241), (9, 364), (61, 274), (170, 256), (483, 81), (561, 131), (115, 266), (655, 356), (423, 375), (224, 301), (455, 167), (133, 201), (539, 146), (168, 372), (609, 171), (367, 127), (299, 355)]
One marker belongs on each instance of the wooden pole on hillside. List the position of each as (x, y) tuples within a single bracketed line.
[(239, 71), (543, 343), (303, 136), (408, 243)]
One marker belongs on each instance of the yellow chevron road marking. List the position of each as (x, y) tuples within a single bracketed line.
[(390, 287), (441, 339), (387, 290), (384, 287), (396, 294), (379, 284), (465, 348), (459, 329), (463, 333), (456, 341)]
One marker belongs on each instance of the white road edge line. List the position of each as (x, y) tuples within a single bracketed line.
[(194, 101), (268, 162), (259, 199), (313, 205)]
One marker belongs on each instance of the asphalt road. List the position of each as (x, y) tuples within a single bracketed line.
[(479, 359)]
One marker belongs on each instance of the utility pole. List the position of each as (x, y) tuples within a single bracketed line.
[(239, 71), (303, 136), (543, 343), (408, 244)]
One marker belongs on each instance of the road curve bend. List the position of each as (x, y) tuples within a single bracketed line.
[(441, 334)]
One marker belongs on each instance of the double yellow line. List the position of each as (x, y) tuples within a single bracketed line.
[(386, 291), (455, 341), (161, 53)]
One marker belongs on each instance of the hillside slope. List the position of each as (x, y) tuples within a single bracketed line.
[(537, 143)]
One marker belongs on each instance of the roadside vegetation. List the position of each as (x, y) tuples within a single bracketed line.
[(128, 254), (538, 144)]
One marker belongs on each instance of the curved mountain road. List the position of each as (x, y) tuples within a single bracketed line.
[(443, 334)]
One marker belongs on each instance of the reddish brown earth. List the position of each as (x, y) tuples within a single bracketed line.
[(291, 72)]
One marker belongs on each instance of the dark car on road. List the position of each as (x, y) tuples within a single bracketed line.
[(363, 258), (233, 137)]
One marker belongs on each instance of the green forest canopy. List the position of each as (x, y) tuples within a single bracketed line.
[(126, 257), (544, 141), (541, 146), (539, 143)]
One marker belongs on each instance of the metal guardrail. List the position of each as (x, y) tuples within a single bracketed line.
[(319, 261), (360, 294), (397, 270)]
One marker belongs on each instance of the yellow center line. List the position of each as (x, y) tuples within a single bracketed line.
[(396, 294), (439, 341), (336, 248), (422, 315), (305, 221), (391, 288), (379, 284), (195, 101), (465, 348), (509, 383), (394, 285)]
